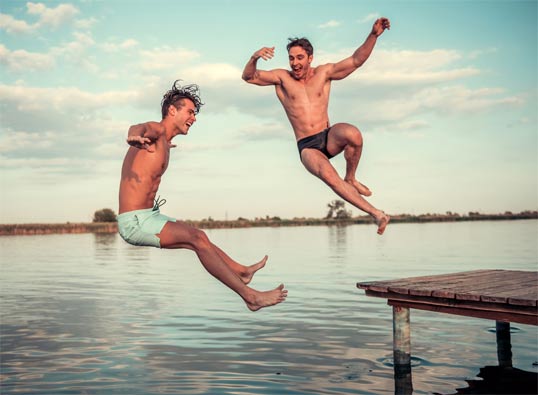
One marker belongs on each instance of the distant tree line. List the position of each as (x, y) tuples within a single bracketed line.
[(336, 213)]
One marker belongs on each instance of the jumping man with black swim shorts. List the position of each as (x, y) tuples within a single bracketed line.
[(304, 94), (140, 221)]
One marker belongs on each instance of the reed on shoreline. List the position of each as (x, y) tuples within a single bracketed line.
[(111, 227)]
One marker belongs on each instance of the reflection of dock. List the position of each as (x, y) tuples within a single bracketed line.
[(501, 380), (501, 295)]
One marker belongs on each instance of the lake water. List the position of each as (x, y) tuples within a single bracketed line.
[(90, 314)]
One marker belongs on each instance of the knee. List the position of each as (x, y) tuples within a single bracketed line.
[(199, 240), (352, 134), (355, 136)]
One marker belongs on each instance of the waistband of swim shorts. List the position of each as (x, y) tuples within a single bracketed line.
[(129, 214)]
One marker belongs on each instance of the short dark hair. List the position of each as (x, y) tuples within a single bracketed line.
[(300, 42), (176, 95)]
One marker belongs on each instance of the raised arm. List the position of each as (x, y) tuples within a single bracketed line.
[(345, 67), (143, 135), (252, 75)]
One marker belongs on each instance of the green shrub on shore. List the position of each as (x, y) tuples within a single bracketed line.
[(104, 215)]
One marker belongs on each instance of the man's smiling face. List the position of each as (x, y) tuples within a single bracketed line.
[(299, 62)]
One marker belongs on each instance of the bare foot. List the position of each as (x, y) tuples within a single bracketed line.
[(361, 188), (382, 222), (267, 298), (246, 277)]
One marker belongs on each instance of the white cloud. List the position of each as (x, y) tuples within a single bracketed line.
[(47, 17), (14, 26), (74, 51), (396, 67), (11, 141), (85, 23), (329, 24), (460, 99), (35, 163), (445, 101), (214, 72), (413, 125), (265, 131), (118, 47), (21, 60), (53, 17), (75, 48), (480, 52), (370, 18), (400, 77), (61, 100), (165, 58)]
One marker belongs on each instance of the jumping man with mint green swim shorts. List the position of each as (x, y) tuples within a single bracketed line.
[(140, 221), (140, 227)]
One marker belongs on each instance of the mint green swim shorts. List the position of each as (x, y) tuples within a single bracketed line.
[(140, 227)]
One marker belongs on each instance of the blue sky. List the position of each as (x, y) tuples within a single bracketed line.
[(447, 104)]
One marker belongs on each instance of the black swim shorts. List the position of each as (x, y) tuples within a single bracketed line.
[(317, 141)]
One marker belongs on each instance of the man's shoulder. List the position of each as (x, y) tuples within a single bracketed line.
[(149, 124), (154, 124), (156, 127), (323, 68)]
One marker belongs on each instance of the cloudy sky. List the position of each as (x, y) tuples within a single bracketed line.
[(447, 104)]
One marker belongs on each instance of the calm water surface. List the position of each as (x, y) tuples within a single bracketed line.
[(90, 314)]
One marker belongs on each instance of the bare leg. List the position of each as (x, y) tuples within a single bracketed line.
[(318, 164), (181, 235), (245, 273), (346, 137), (352, 154)]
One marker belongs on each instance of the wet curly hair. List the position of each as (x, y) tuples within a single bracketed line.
[(302, 42), (176, 95)]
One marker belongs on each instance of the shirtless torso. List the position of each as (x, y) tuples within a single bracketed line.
[(305, 101), (304, 93), (142, 170)]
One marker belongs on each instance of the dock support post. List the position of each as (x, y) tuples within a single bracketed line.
[(401, 331), (504, 345)]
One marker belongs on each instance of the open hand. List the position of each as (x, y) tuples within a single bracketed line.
[(265, 53), (141, 143), (380, 25)]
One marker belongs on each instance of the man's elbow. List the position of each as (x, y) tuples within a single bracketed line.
[(136, 130)]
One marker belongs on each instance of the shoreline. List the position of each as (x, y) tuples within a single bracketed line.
[(112, 227)]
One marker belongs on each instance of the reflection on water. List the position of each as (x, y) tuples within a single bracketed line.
[(499, 380), (92, 314), (337, 243)]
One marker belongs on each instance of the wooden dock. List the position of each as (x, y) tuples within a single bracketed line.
[(501, 295)]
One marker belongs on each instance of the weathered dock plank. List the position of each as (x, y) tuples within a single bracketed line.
[(510, 287)]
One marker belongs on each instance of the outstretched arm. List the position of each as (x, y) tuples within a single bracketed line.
[(260, 77), (143, 135), (345, 67)]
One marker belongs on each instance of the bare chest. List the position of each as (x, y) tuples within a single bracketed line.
[(311, 92)]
